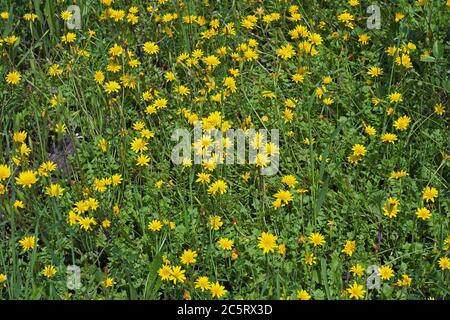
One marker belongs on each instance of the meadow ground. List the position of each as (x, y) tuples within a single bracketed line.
[(92, 205)]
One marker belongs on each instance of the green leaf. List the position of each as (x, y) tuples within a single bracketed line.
[(133, 293), (428, 59), (48, 13), (153, 282), (438, 49), (323, 275), (37, 9)]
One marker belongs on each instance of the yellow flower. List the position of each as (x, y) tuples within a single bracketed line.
[(356, 291), (395, 97), (151, 47), (54, 190), (28, 243), (357, 270), (13, 77), (154, 225), (142, 160), (99, 77), (24, 150), (249, 21), (261, 160), (347, 19), (303, 295), (20, 136), (399, 16), (165, 272), (390, 209), (46, 167), (183, 90), (65, 15), (49, 271), (398, 174), (113, 67), (202, 283), (389, 137), (230, 84), (147, 134), (215, 222), (369, 130), (4, 15), (225, 243), (69, 37), (423, 213), (188, 257), (26, 178), (364, 39), (211, 61), (108, 282), (138, 145), (429, 194), (112, 87), (359, 150), (286, 52), (61, 128), (447, 243), (2, 189), (349, 247), (404, 60), (5, 172), (115, 51), (86, 223), (170, 76), (3, 279), (54, 70), (315, 38), (282, 249), (289, 180), (402, 123), (353, 159), (444, 263), (203, 177), (116, 209), (116, 179), (217, 290), (73, 218), (328, 101), (316, 239), (11, 40), (81, 206), (218, 187), (386, 272), (439, 109), (106, 224), (405, 281), (267, 242), (177, 275), (375, 72), (283, 197), (310, 259), (18, 204)]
